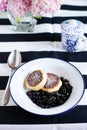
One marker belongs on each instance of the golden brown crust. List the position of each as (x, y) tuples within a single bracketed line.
[(53, 83), (35, 80)]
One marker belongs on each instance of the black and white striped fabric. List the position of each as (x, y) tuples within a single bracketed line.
[(45, 41)]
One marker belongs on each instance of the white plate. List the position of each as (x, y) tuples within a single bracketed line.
[(56, 66)]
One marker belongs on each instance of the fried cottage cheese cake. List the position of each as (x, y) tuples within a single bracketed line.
[(53, 83), (39, 80), (35, 80)]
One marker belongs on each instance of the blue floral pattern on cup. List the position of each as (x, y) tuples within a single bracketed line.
[(72, 35)]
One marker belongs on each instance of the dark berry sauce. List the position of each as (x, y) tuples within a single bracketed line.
[(49, 100)]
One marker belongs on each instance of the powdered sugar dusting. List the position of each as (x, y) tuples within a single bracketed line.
[(34, 78), (52, 80)]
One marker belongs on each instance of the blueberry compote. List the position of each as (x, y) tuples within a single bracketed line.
[(49, 100)]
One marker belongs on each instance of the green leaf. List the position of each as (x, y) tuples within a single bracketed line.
[(18, 19), (38, 17)]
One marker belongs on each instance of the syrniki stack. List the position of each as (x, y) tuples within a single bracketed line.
[(40, 80)]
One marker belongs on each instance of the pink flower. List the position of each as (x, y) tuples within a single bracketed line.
[(20, 8), (41, 7), (3, 5)]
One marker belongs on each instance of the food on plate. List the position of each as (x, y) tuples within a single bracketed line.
[(47, 90), (35, 80), (49, 100), (53, 83)]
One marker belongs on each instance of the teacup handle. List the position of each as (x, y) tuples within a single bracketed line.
[(84, 38), (82, 43)]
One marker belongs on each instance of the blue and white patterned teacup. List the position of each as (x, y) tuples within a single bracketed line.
[(72, 35)]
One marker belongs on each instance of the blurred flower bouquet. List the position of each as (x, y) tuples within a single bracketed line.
[(18, 9)]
